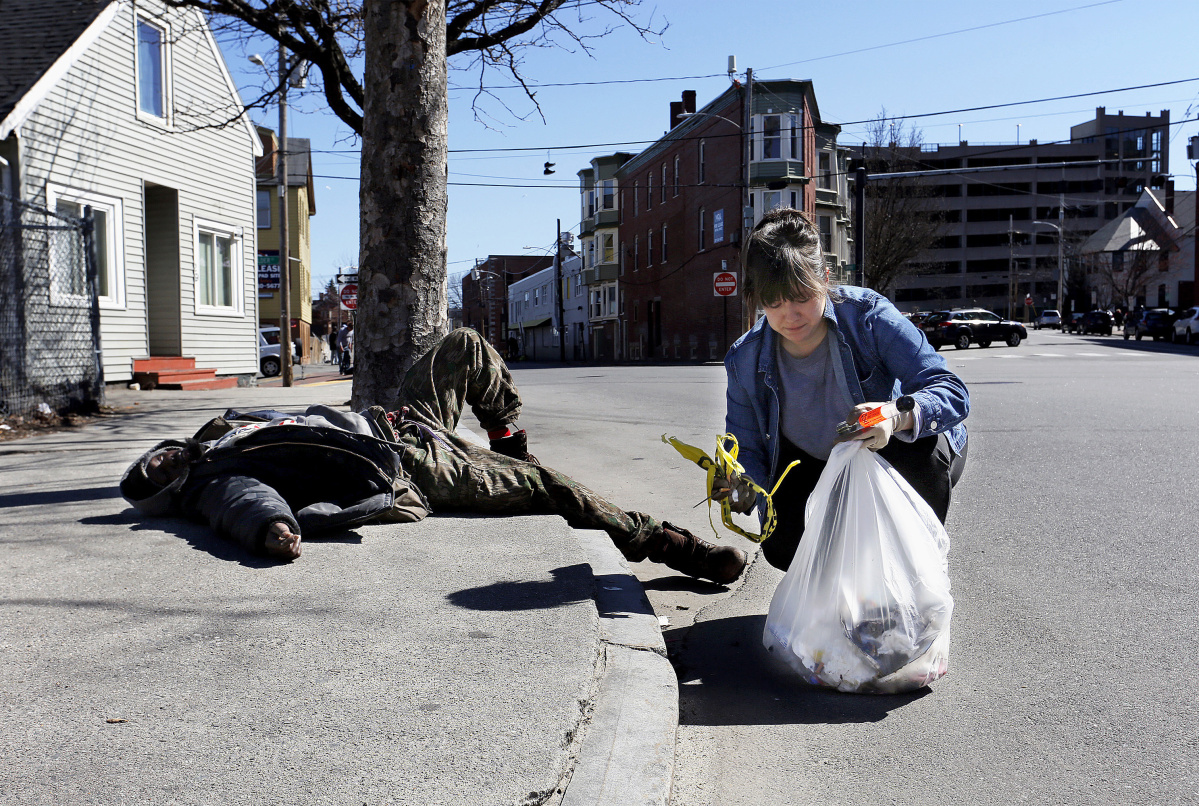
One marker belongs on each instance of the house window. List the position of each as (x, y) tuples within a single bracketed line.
[(636, 190), (663, 243), (649, 249), (264, 209), (796, 142), (701, 162), (772, 137), (608, 194), (771, 200), (611, 289), (597, 304), (217, 275), (151, 68), (649, 190), (536, 297), (68, 268), (664, 183), (622, 205), (826, 233), (607, 247), (825, 180), (636, 252), (703, 234), (794, 200), (676, 174)]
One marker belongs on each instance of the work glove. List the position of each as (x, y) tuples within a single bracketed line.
[(741, 496), (877, 436)]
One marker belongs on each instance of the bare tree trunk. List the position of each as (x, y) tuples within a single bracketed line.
[(402, 267)]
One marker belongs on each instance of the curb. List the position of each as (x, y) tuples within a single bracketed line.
[(626, 756)]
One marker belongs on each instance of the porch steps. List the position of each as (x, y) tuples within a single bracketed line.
[(177, 372)]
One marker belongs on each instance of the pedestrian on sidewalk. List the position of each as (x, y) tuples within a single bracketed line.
[(250, 476), (824, 353)]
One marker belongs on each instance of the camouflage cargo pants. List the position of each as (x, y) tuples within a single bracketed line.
[(458, 476)]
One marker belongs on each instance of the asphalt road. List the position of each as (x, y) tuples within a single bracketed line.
[(1073, 666)]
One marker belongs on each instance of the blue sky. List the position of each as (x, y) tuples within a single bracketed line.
[(910, 58)]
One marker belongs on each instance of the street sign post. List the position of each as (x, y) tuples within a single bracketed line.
[(724, 284), (349, 297)]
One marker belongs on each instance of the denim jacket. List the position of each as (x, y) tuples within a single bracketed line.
[(883, 356)]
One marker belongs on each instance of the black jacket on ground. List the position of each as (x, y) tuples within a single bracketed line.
[(320, 471)]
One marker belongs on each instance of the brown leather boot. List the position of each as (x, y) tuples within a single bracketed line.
[(677, 548), (515, 445)]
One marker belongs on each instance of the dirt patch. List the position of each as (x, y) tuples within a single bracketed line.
[(20, 426)]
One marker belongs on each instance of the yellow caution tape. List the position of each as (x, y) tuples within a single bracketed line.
[(727, 465)]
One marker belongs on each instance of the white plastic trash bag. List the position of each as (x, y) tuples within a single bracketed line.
[(865, 605)]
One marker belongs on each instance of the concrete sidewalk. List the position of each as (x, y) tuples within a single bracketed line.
[(460, 660)]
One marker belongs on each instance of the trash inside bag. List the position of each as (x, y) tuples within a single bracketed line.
[(865, 605)]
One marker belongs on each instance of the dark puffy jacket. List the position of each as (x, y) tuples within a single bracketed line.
[(320, 471)]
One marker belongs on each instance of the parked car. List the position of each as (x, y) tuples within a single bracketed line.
[(1097, 322), (269, 363), (1186, 327), (1156, 322), (1048, 318), (961, 327)]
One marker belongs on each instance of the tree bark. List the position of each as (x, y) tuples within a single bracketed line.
[(402, 265)]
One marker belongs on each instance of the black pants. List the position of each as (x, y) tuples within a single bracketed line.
[(928, 464)]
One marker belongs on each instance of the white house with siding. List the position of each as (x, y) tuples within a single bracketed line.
[(105, 103)]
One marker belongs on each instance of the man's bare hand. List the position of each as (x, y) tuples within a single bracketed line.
[(281, 542)]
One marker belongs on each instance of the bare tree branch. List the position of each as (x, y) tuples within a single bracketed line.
[(901, 223)]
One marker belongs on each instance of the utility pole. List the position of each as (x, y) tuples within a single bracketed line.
[(747, 220), (285, 346), (859, 220), (1061, 264), (1011, 270), (559, 294)]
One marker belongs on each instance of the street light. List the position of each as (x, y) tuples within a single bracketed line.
[(708, 115), (285, 355), (1061, 267)]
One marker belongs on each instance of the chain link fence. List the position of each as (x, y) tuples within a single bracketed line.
[(49, 311)]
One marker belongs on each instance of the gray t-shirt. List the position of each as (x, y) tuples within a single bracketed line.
[(813, 398)]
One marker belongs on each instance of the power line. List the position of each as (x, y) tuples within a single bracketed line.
[(465, 88), (942, 35), (1008, 104)]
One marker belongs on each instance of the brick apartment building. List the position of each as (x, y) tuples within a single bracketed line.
[(485, 297), (976, 262), (659, 226)]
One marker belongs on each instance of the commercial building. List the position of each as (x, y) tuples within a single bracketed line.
[(485, 293), (533, 313), (999, 237)]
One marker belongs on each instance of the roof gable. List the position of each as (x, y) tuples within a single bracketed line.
[(42, 39), (35, 35)]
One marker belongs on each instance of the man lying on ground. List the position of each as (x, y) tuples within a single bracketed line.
[(265, 478)]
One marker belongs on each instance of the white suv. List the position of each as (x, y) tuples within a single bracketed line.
[(1186, 327), (268, 351), (1048, 318)]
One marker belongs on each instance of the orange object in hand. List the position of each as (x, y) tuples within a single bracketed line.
[(871, 418)]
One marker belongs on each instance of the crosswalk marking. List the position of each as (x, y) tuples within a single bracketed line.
[(1051, 355), (1095, 355)]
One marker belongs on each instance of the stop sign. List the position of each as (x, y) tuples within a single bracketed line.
[(1028, 300), (349, 296), (724, 283)]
